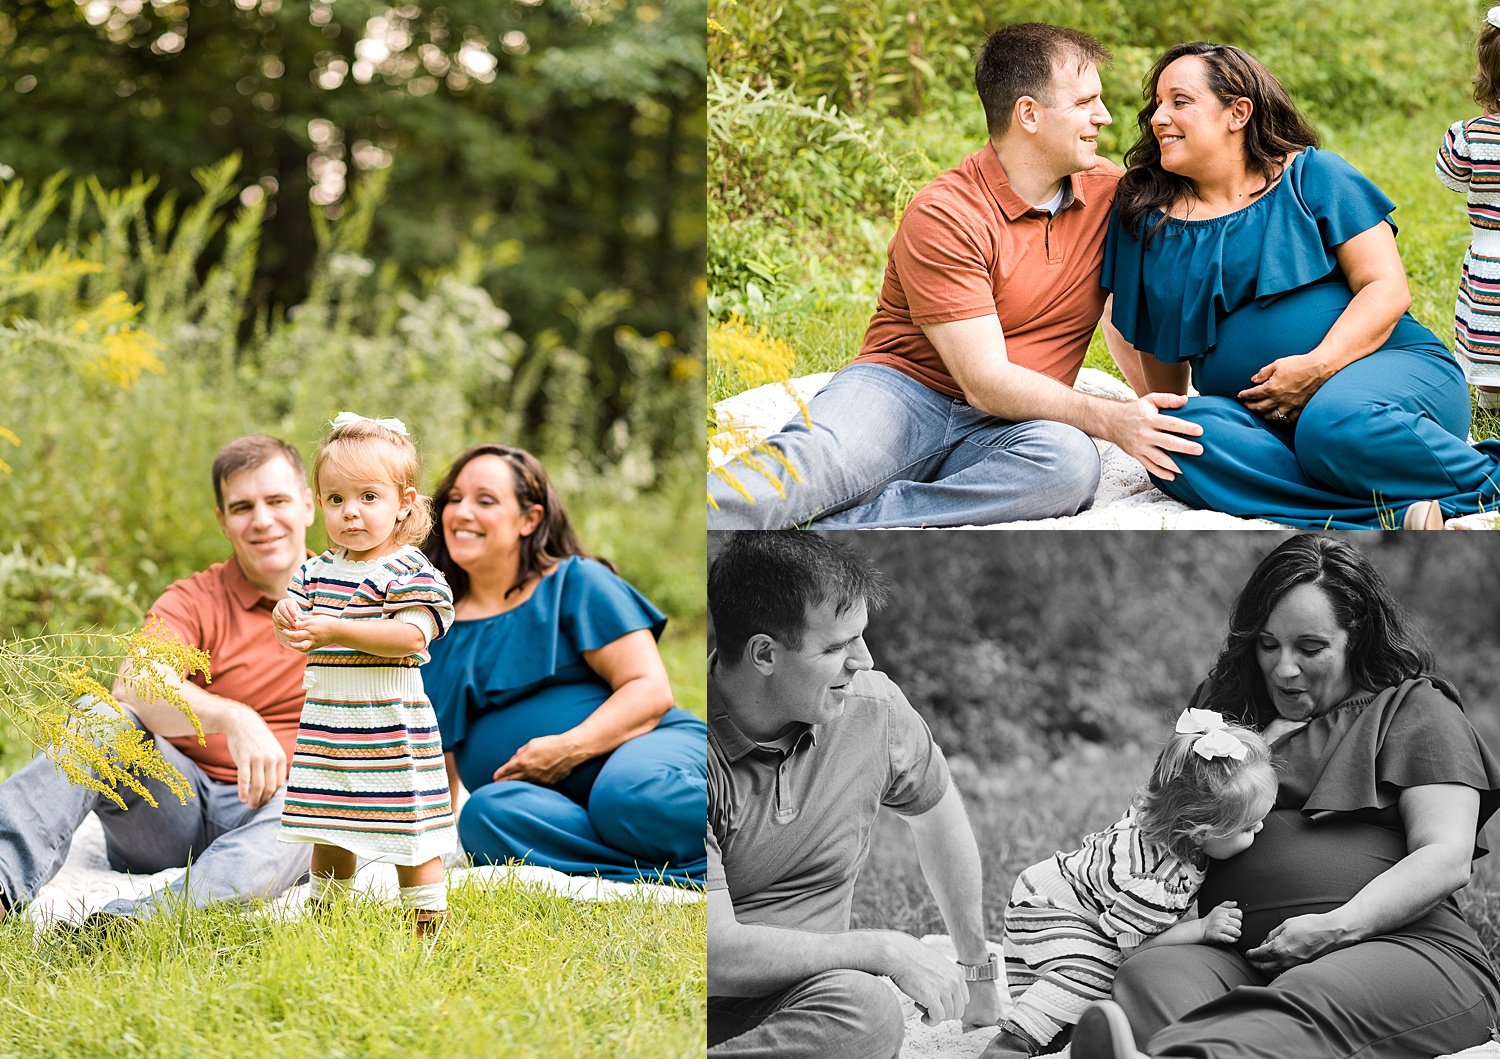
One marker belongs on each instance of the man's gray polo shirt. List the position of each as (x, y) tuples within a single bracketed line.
[(789, 829)]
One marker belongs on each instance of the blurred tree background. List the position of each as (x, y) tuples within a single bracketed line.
[(1020, 648), (485, 217)]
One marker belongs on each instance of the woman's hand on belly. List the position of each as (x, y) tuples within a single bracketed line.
[(1298, 940), (547, 759), (1285, 385)]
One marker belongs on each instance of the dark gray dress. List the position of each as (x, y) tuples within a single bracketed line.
[(1426, 989)]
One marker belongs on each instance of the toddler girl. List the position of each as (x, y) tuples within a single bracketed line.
[(367, 774), (1073, 919), (1469, 161)]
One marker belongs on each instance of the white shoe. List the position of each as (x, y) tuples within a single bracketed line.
[(1104, 1033), (1423, 515)]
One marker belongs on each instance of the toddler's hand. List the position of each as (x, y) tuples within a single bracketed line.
[(286, 614), (1222, 925)]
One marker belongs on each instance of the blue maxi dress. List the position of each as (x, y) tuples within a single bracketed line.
[(1229, 295), (634, 814)]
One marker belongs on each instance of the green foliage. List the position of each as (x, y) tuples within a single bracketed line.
[(1341, 59), (565, 135), (518, 972), (40, 595)]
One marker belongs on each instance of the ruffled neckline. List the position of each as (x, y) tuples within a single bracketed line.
[(1243, 211)]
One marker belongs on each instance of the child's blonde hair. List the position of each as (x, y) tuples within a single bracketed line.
[(1190, 798), (366, 449), (1487, 80)]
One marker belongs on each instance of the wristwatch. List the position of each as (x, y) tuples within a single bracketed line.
[(988, 971)]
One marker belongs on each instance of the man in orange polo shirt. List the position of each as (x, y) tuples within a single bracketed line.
[(226, 833), (959, 409)]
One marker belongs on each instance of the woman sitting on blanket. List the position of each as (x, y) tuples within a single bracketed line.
[(554, 706), (1242, 255), (1352, 943)]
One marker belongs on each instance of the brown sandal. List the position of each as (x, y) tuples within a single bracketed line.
[(428, 922)]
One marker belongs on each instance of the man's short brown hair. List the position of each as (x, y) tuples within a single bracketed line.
[(1018, 61), (248, 453)]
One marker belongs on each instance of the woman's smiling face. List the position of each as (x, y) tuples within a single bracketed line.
[(1191, 126), (1303, 653), (482, 518)]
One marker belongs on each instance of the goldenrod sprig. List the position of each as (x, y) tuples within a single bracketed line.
[(44, 681)]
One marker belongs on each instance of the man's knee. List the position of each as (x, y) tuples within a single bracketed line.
[(1071, 459), (864, 1013)]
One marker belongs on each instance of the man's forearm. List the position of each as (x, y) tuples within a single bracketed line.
[(1010, 392), (215, 713), (949, 857)]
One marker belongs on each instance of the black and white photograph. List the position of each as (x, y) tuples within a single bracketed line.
[(1102, 794)]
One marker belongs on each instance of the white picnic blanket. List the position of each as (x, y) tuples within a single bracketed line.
[(1126, 498), (948, 1041), (86, 883)]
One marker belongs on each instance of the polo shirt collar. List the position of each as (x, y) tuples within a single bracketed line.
[(734, 743), (1011, 203), (239, 586)]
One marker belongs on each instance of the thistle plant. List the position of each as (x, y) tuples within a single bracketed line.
[(43, 683)]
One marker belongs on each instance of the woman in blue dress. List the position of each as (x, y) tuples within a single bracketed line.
[(554, 706), (1242, 256)]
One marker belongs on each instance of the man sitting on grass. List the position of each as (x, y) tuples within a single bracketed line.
[(226, 833), (960, 407), (806, 743)]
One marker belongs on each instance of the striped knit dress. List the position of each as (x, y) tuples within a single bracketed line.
[(367, 771), (1069, 916), (1469, 161)]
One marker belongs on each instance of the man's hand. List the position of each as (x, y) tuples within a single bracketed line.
[(931, 979), (1146, 434), (1222, 925), (260, 762), (983, 1008)]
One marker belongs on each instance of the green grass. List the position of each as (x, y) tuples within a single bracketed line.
[(517, 973), (822, 301)]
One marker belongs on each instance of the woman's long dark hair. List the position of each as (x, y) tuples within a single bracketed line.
[(1384, 648), (550, 543), (1275, 128)]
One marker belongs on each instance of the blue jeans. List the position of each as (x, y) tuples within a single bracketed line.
[(847, 1014), (230, 849), (641, 817), (886, 451)]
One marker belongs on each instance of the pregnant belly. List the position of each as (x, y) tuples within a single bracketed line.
[(1253, 335), (1297, 868)]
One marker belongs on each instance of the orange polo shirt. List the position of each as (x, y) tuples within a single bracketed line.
[(968, 246), (221, 612)]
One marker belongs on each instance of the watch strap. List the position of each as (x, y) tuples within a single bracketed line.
[(988, 971)]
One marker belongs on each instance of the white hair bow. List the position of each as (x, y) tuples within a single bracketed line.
[(1493, 17), (1214, 739), (344, 419)]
